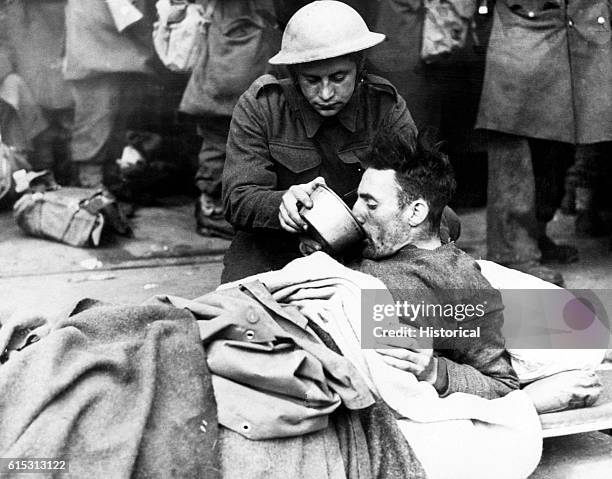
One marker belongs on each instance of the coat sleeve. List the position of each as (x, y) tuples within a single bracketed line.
[(249, 179), (481, 367)]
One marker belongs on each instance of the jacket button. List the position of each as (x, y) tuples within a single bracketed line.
[(252, 317), (601, 20), (570, 23), (531, 14)]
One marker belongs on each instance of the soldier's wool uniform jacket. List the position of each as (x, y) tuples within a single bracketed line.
[(278, 140)]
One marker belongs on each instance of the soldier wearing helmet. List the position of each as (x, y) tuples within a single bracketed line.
[(288, 135)]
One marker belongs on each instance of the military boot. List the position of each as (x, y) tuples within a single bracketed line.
[(209, 218), (588, 222), (535, 268)]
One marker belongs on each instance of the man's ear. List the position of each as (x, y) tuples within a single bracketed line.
[(417, 212)]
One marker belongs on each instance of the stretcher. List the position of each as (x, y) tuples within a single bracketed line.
[(577, 442)]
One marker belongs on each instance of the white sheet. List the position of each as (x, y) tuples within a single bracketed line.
[(460, 436)]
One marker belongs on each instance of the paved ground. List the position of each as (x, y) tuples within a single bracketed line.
[(593, 271), (128, 286), (166, 256), (164, 232)]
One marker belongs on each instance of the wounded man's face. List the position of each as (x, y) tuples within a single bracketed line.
[(379, 212)]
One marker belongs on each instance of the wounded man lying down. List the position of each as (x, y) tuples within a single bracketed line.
[(400, 201)]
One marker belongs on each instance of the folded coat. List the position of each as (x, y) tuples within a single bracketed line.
[(272, 376)]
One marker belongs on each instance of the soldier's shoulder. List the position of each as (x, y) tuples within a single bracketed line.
[(381, 85), (265, 84)]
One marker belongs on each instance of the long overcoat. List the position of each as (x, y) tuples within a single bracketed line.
[(549, 70), (94, 46)]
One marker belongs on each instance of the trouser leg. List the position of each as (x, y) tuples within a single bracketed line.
[(550, 160), (43, 157), (209, 208), (62, 121), (214, 132), (103, 108), (511, 220), (12, 132), (50, 146), (588, 168)]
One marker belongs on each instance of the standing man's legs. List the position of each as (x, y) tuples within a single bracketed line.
[(512, 228), (103, 107), (587, 170), (51, 146), (550, 161), (209, 208)]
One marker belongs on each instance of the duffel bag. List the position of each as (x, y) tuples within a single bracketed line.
[(75, 216)]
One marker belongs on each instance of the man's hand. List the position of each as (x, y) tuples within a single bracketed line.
[(420, 362), (565, 390), (21, 321), (290, 219)]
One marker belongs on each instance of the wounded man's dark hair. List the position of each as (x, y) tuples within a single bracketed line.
[(421, 169)]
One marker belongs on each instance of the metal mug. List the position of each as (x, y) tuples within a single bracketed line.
[(331, 222)]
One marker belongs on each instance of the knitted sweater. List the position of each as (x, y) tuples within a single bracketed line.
[(448, 276)]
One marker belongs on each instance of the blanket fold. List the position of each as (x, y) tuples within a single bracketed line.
[(506, 429)]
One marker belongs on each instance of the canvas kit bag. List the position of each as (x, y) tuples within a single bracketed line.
[(235, 52), (179, 33), (75, 216), (446, 27)]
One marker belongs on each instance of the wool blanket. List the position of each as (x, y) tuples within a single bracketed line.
[(116, 391), (492, 432)]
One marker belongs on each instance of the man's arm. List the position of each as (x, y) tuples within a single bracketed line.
[(249, 179), (486, 378), (490, 379), (480, 366)]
